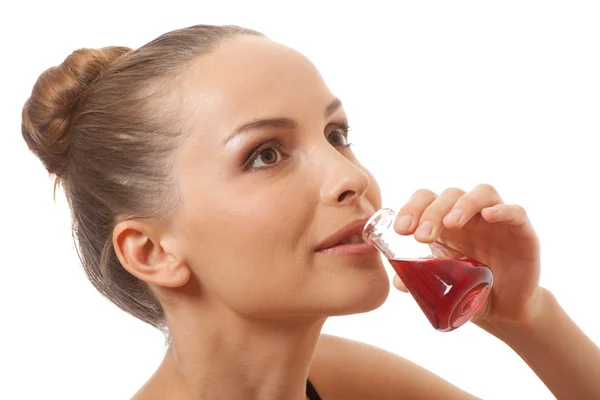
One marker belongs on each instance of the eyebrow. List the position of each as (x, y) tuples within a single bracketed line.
[(281, 122)]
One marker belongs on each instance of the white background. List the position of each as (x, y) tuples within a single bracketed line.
[(439, 93)]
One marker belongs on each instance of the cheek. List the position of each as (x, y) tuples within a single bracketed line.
[(252, 242), (246, 227)]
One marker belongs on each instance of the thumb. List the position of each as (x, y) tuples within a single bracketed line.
[(398, 284)]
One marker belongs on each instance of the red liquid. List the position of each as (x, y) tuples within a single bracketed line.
[(450, 291)]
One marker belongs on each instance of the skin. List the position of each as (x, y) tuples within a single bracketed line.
[(236, 268)]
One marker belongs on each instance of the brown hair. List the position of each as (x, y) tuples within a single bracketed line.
[(97, 125)]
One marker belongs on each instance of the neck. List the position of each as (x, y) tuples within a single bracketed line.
[(231, 357)]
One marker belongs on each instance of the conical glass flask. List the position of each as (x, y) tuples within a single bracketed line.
[(449, 287)]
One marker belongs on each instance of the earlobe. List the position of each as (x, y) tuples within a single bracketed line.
[(137, 245)]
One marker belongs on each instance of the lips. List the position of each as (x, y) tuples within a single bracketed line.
[(353, 239), (348, 235)]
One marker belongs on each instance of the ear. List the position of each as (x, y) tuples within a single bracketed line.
[(138, 247)]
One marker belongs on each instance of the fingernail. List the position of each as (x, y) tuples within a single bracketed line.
[(403, 223), (454, 216), (493, 209), (424, 230)]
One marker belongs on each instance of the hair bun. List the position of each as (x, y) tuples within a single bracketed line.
[(48, 112)]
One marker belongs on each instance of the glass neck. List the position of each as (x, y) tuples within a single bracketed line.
[(379, 230)]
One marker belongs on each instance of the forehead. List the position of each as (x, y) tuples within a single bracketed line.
[(253, 77)]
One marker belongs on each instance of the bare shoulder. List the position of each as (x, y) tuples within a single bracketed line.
[(347, 369)]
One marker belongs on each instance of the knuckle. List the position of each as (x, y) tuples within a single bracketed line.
[(486, 188), (424, 193), (453, 192)]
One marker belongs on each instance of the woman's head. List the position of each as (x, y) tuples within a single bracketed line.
[(206, 167)]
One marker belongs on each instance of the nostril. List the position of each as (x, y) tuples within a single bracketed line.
[(345, 195)]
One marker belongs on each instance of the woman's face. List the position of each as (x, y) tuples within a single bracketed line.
[(266, 179)]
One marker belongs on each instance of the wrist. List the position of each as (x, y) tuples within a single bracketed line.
[(541, 311)]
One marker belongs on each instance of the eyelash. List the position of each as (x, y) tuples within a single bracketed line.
[(345, 128), (274, 144)]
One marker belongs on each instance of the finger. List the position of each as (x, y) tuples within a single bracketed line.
[(398, 284), (431, 220), (482, 196), (408, 216), (510, 214)]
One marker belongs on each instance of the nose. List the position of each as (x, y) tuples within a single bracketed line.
[(343, 183)]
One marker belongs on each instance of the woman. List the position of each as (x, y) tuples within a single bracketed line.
[(211, 183)]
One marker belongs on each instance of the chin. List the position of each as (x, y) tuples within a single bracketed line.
[(363, 295)]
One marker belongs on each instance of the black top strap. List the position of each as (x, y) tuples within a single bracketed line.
[(311, 391)]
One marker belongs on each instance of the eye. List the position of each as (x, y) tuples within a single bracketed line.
[(266, 157), (339, 136)]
